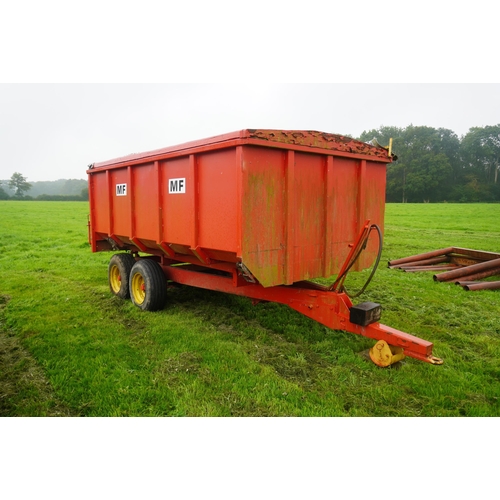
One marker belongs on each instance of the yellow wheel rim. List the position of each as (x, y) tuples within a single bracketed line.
[(115, 280), (138, 289)]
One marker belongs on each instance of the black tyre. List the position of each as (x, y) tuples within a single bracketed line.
[(119, 270), (148, 285)]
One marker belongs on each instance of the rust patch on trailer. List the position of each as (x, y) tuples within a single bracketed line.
[(323, 140)]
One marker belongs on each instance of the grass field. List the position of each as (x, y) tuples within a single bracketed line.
[(70, 348)]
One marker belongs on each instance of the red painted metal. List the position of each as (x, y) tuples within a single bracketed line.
[(361, 240), (288, 204), (312, 300), (270, 209)]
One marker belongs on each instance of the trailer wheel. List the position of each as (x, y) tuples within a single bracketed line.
[(148, 285), (119, 269)]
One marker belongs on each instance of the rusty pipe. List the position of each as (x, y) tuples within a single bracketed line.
[(467, 271), (427, 268), (422, 256), (477, 255), (480, 276), (485, 285), (426, 262), (469, 275), (484, 274)]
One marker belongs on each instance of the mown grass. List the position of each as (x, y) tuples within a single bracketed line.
[(68, 347)]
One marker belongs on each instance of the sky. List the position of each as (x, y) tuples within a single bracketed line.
[(53, 131), (88, 82)]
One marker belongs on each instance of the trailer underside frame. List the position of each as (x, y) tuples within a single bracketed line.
[(330, 308)]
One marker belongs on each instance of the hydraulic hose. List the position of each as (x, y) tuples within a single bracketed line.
[(375, 266)]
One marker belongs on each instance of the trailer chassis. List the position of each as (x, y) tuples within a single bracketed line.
[(331, 308)]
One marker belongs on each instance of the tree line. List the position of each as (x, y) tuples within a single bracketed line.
[(435, 165), (17, 187)]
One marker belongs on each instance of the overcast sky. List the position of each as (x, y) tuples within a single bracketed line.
[(53, 131)]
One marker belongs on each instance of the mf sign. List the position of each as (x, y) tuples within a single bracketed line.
[(177, 186), (121, 190)]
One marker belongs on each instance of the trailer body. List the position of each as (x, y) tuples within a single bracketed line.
[(256, 213), (286, 204)]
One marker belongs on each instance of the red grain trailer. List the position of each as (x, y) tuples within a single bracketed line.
[(257, 213)]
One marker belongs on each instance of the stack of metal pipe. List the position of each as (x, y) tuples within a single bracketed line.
[(463, 266)]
